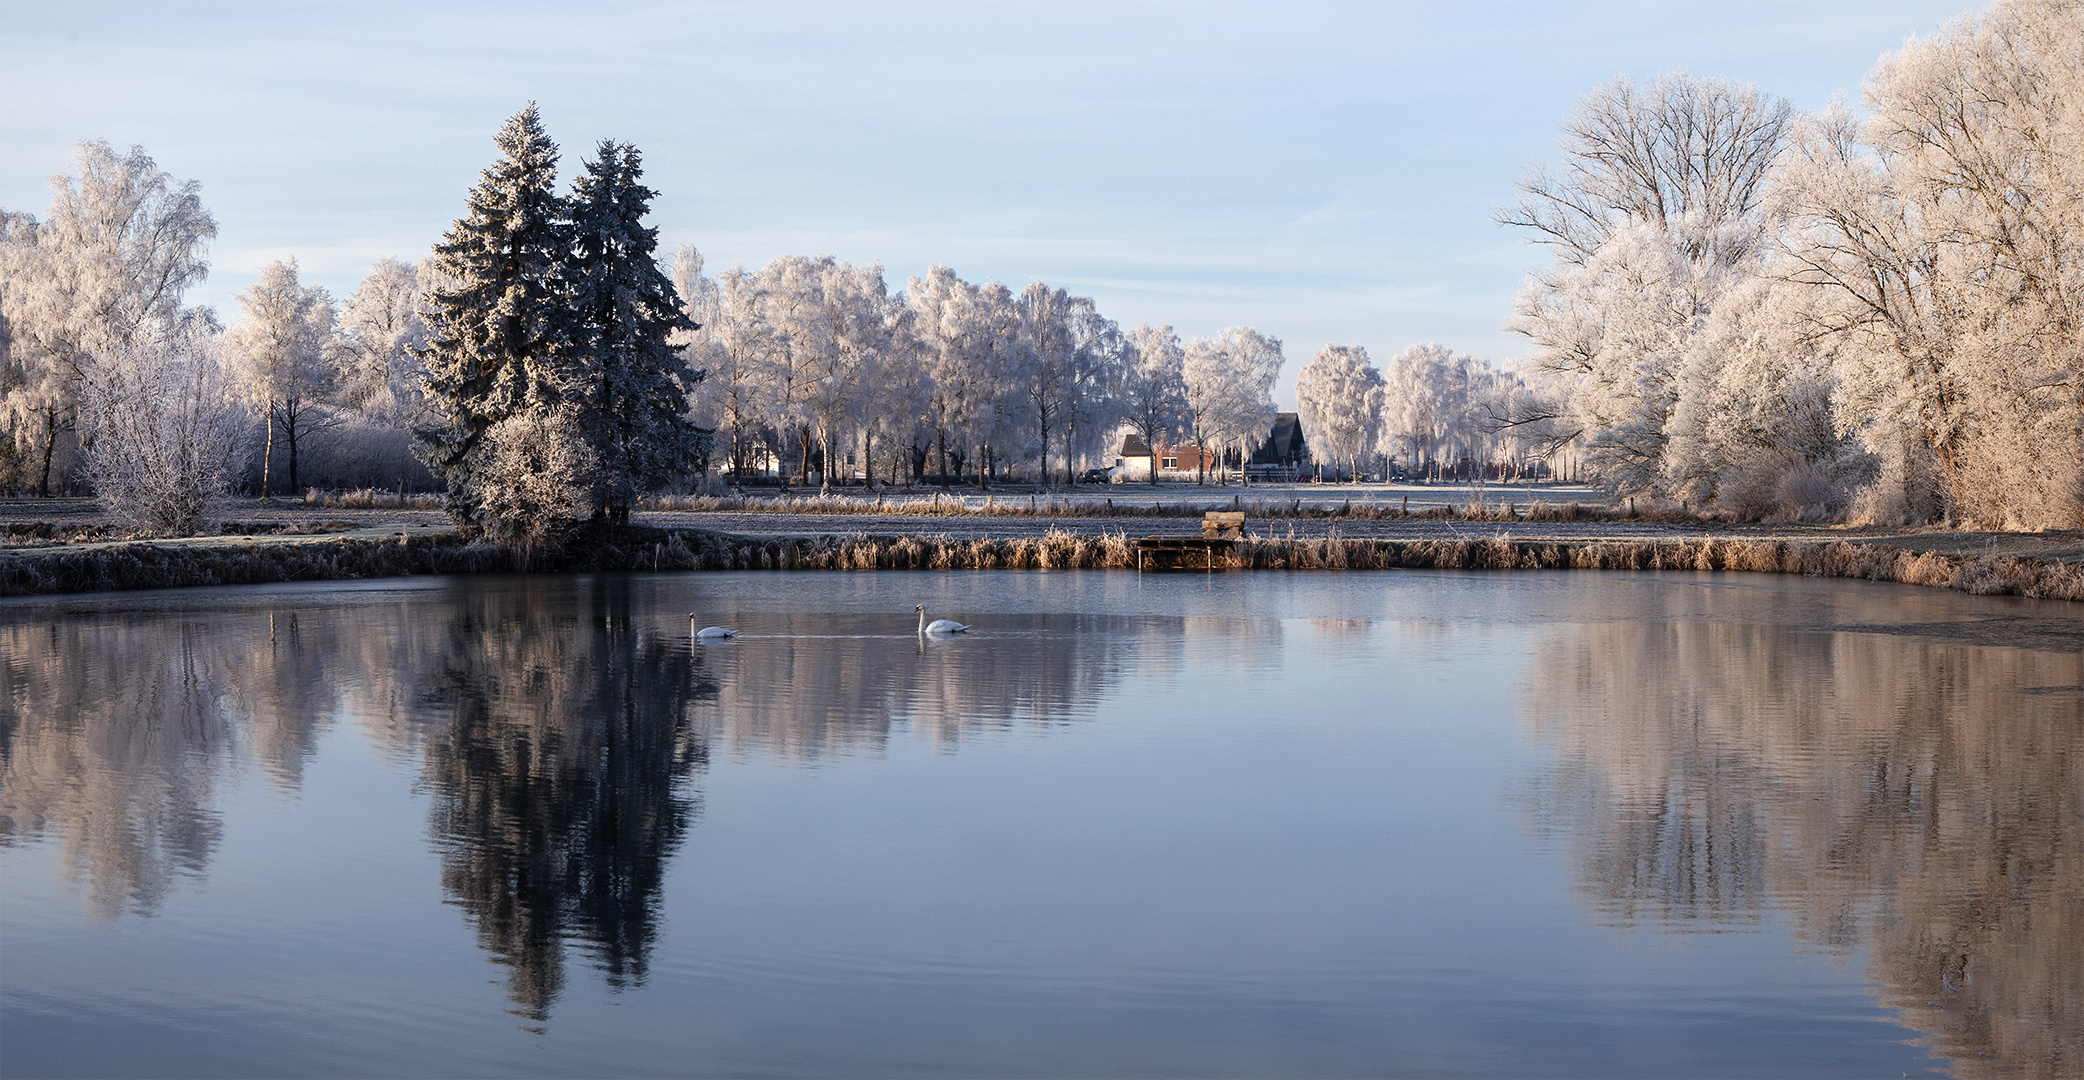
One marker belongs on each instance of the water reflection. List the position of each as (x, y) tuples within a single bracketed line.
[(560, 741), (1912, 801), (814, 686), (114, 739), (1921, 802)]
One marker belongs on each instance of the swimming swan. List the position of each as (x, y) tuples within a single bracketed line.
[(709, 631), (938, 626)]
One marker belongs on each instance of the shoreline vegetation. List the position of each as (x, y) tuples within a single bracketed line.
[(307, 553)]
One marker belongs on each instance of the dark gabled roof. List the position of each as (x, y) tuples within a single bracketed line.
[(1284, 445), (1133, 446)]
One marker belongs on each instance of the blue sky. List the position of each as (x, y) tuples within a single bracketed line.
[(1324, 172)]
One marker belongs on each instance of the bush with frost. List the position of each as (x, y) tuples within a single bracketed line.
[(164, 434), (535, 479)]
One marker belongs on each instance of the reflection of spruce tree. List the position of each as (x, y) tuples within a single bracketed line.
[(1895, 796), (556, 782)]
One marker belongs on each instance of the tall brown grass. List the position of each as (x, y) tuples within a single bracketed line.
[(146, 565), (371, 499), (1090, 506)]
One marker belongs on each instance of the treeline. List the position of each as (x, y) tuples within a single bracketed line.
[(1821, 315), (541, 366), (110, 383), (1779, 315)]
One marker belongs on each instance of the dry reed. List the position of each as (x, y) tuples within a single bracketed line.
[(371, 499), (146, 565), (934, 504)]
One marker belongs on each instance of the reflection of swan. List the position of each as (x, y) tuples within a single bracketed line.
[(938, 626), (709, 631)]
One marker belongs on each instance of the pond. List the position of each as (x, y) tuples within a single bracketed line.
[(1391, 823)]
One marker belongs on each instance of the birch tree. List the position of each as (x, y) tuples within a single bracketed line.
[(120, 245), (382, 331), (957, 352), (285, 360), (1154, 395), (1053, 368), (738, 342), (1104, 365), (1229, 382), (1338, 397)]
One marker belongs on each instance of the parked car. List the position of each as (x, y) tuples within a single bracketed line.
[(1095, 476)]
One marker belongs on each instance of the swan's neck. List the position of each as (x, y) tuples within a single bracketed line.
[(922, 620)]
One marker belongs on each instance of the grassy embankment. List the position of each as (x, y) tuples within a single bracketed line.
[(236, 560)]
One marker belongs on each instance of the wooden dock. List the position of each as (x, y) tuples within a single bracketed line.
[(1159, 554), (1220, 531)]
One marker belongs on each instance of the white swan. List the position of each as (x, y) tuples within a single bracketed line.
[(938, 626), (709, 631)]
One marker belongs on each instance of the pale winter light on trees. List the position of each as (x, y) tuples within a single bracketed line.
[(285, 357), (1942, 237), (1825, 316), (165, 432), (1154, 391), (120, 245), (1229, 384), (1339, 396), (1871, 316)]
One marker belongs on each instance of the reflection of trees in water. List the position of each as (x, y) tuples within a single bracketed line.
[(807, 688), (556, 734), (555, 766), (116, 729), (1890, 793), (114, 737)]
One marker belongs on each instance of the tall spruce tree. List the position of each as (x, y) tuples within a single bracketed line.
[(627, 378), (498, 330)]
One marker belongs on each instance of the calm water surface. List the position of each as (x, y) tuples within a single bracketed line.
[(1326, 824)]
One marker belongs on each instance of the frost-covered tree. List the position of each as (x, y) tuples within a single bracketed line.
[(497, 327), (285, 361), (798, 348), (625, 374), (846, 378), (120, 245), (382, 333), (1689, 156), (1338, 398), (1755, 431), (165, 430), (1005, 415), (537, 474), (1229, 382), (734, 349), (955, 332), (1657, 212), (1053, 369), (1154, 392), (1942, 237), (703, 352), (1104, 364)]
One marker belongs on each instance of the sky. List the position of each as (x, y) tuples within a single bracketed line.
[(1325, 173)]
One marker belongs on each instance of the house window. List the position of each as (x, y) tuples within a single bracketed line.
[(1169, 463)]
